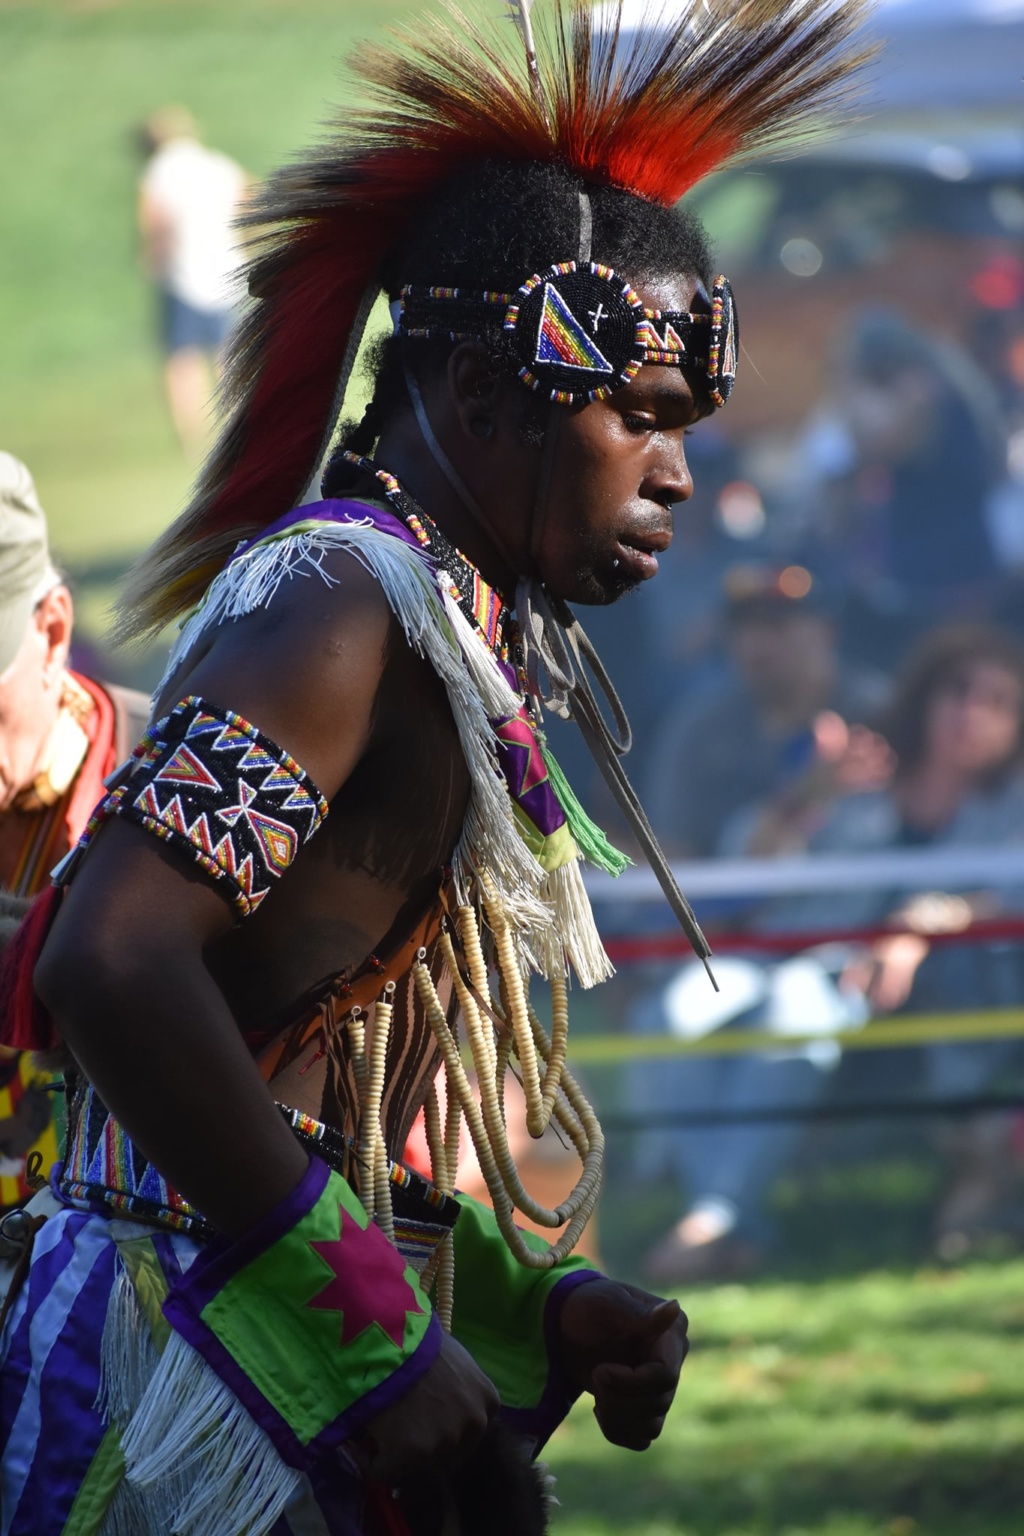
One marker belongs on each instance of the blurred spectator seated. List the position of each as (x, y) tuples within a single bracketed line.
[(758, 734), (955, 727), (898, 469), (61, 734)]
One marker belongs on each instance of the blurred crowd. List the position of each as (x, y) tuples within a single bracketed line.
[(834, 664)]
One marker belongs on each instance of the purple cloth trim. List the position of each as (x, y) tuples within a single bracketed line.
[(385, 1392), (219, 1262), (222, 1259), (263, 1413), (558, 1396), (335, 511)]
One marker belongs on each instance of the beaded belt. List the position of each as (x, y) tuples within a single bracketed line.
[(103, 1168)]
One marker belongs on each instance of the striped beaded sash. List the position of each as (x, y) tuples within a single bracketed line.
[(103, 1169)]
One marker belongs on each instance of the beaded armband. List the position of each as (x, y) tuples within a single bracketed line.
[(211, 784)]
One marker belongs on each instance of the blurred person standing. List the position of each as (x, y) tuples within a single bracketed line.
[(901, 464), (757, 733), (60, 735), (189, 198)]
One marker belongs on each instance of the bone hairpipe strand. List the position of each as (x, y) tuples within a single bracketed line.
[(382, 1015), (365, 1139), (517, 1014), (502, 1205)]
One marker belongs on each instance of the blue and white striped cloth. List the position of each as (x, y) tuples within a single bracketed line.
[(61, 1472)]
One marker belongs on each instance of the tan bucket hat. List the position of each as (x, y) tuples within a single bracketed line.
[(26, 572)]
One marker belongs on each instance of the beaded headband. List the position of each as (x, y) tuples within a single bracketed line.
[(580, 332)]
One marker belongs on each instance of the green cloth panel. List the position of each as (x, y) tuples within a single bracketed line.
[(314, 1362), (499, 1305), (97, 1489), (551, 852), (588, 836), (149, 1283)]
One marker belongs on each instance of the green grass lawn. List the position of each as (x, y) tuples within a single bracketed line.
[(888, 1405), (80, 393)]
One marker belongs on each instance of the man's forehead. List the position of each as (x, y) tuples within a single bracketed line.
[(666, 387), (675, 292)]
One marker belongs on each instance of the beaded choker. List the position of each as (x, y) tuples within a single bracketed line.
[(480, 602)]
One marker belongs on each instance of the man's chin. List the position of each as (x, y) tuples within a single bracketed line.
[(595, 588)]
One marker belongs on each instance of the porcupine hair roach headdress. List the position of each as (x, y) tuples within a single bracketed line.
[(651, 111)]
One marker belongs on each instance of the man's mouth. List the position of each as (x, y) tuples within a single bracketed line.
[(638, 552)]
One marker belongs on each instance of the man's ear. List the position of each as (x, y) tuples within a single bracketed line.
[(54, 617), (475, 390)]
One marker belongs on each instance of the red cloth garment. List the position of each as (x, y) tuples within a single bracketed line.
[(25, 1024)]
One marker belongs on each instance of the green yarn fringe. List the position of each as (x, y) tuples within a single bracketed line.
[(587, 835)]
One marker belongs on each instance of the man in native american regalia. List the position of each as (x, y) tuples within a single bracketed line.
[(343, 846)]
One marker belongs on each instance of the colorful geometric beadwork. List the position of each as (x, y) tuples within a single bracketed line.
[(208, 782), (723, 351), (704, 338), (662, 342), (103, 1169), (561, 339), (480, 602), (581, 332), (576, 329)]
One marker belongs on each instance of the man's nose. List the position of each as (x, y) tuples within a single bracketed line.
[(675, 483)]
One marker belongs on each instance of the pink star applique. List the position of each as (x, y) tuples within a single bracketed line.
[(519, 737), (368, 1285)]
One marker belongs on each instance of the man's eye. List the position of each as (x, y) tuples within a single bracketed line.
[(639, 423)]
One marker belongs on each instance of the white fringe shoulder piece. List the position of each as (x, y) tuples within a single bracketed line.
[(549, 912)]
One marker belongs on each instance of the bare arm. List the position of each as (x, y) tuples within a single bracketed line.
[(124, 972), (154, 235), (125, 976)]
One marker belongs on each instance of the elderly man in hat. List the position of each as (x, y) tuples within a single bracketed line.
[(60, 735)]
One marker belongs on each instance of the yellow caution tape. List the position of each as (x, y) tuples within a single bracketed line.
[(880, 1034)]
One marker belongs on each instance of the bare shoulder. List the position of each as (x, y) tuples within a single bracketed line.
[(305, 669)]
